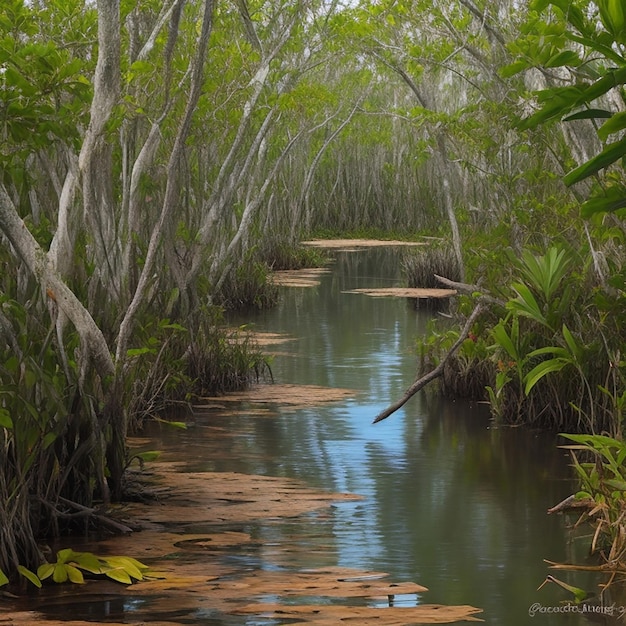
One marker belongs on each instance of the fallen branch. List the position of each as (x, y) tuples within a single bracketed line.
[(437, 372), (469, 289), (572, 502)]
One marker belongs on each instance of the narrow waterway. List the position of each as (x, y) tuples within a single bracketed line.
[(449, 500)]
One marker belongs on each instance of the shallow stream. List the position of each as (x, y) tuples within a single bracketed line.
[(450, 501)]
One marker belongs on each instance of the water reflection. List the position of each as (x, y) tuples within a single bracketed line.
[(451, 502)]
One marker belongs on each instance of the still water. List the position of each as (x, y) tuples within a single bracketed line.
[(450, 501)]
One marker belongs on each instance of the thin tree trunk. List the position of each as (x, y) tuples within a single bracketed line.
[(172, 187), (26, 248)]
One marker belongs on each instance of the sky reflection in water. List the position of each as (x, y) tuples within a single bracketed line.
[(450, 501)]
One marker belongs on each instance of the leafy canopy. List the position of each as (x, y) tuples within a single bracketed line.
[(587, 39)]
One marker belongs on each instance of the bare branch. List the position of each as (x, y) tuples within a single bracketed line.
[(420, 383), (469, 289)]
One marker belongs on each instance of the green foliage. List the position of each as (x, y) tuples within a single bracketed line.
[(544, 368), (466, 374), (70, 565), (247, 286), (46, 419), (282, 255), (30, 576), (537, 297), (42, 86), (600, 68), (599, 462), (172, 365)]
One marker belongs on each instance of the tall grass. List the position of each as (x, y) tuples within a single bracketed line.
[(421, 264)]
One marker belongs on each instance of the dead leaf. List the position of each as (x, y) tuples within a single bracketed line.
[(405, 292), (332, 615)]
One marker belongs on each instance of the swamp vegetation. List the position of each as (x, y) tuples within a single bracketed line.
[(158, 160)]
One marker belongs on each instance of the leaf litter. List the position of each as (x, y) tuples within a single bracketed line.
[(405, 292), (193, 573)]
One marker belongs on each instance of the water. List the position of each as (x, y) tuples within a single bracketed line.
[(449, 500)]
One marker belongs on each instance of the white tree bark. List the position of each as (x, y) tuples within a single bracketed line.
[(37, 261), (172, 186)]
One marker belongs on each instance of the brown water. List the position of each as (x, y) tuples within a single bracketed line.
[(450, 501)]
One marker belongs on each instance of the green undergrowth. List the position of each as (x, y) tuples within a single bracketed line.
[(57, 453), (175, 364), (71, 566), (421, 264), (282, 255), (549, 354), (369, 233), (247, 286)]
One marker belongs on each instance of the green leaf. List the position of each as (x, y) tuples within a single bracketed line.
[(595, 42), (119, 575), (48, 440), (5, 419), (615, 124), (541, 370), (589, 114), (45, 571), (556, 103), (89, 562), (514, 68), (63, 556), (526, 304), (3, 579), (140, 351), (572, 344), (611, 79), (557, 351), (612, 153), (151, 455), (75, 575), (131, 566), (613, 16), (566, 57), (59, 575), (30, 576), (616, 483), (502, 338), (612, 199)]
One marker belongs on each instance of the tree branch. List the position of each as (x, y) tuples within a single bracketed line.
[(469, 289), (26, 248), (420, 383)]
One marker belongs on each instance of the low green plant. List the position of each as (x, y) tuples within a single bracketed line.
[(281, 254), (546, 370), (173, 364), (70, 567), (600, 465), (247, 286)]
